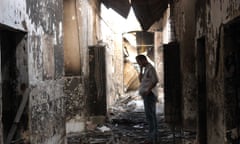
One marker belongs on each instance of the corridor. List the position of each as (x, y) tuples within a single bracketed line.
[(68, 71)]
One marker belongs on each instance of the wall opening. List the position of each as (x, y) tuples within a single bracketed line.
[(232, 77), (172, 84), (202, 95), (14, 80), (96, 99)]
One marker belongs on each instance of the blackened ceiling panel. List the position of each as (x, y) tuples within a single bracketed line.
[(142, 12), (120, 6), (149, 11), (146, 11), (158, 7)]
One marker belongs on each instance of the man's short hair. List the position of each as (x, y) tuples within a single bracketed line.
[(141, 57)]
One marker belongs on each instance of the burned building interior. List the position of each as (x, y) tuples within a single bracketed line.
[(69, 75)]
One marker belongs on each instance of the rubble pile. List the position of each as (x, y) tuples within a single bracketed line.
[(126, 125)]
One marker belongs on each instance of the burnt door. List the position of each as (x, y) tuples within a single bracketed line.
[(14, 79), (172, 84), (202, 98), (232, 75), (97, 81)]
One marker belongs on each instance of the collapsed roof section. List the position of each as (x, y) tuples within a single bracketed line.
[(146, 11)]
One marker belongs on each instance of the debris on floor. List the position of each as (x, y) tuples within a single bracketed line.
[(126, 124)]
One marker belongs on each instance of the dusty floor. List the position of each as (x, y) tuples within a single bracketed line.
[(129, 127)]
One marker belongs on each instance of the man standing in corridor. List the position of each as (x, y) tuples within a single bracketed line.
[(148, 80)]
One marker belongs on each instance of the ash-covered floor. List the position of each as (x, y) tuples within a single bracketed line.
[(126, 124)]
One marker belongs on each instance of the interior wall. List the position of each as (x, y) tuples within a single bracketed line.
[(217, 14), (211, 17), (15, 19), (182, 15), (111, 36), (114, 69), (231, 79), (158, 47), (74, 82), (42, 21)]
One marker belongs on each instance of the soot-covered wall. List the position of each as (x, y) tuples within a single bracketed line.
[(208, 23), (41, 21)]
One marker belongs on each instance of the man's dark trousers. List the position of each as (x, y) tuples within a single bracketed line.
[(150, 112)]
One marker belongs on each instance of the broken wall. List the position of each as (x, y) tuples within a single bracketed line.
[(182, 16), (42, 23)]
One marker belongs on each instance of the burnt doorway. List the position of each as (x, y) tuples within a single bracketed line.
[(232, 76), (202, 98), (172, 84), (14, 80), (96, 99)]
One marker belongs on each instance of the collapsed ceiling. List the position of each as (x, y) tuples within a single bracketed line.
[(146, 11)]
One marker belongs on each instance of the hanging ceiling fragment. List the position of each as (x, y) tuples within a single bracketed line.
[(120, 6), (146, 11)]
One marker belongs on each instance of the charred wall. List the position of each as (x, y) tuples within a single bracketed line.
[(211, 25), (218, 14), (47, 103), (46, 71), (212, 18), (182, 15), (42, 23)]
